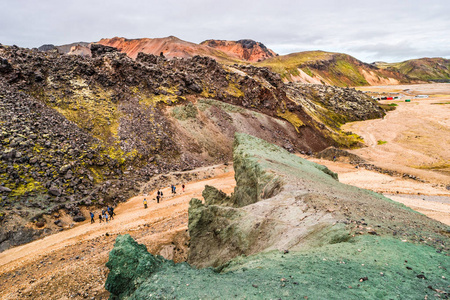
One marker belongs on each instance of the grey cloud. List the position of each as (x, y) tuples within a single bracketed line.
[(368, 30)]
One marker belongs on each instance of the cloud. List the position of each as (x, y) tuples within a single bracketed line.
[(369, 30)]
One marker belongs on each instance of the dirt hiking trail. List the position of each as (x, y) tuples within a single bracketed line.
[(71, 264)]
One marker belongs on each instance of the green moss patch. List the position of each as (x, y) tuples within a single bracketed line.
[(367, 268)]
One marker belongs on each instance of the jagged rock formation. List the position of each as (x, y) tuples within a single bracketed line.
[(290, 230), (248, 50)]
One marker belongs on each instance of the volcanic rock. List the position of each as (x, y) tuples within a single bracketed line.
[(79, 218)]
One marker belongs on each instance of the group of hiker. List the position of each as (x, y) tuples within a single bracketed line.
[(105, 215), (159, 194), (174, 188)]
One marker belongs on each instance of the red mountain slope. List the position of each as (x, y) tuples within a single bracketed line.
[(170, 46), (244, 49)]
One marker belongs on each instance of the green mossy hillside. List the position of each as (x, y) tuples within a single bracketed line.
[(329, 68), (424, 69)]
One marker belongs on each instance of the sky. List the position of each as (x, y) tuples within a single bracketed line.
[(384, 30)]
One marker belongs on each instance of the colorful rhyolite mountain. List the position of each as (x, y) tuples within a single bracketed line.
[(170, 47), (245, 49), (232, 51)]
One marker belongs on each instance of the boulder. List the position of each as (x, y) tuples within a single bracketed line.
[(128, 263), (79, 218), (5, 189), (54, 191), (5, 66), (64, 169)]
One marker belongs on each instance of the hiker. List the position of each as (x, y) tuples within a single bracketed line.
[(100, 217), (110, 212), (157, 198), (161, 194), (106, 217), (92, 217), (145, 203), (182, 187)]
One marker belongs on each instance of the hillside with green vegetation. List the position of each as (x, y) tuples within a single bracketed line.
[(329, 68), (425, 69)]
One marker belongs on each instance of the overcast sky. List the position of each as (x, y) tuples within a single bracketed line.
[(386, 30)]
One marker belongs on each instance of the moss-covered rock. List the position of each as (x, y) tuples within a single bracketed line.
[(129, 264)]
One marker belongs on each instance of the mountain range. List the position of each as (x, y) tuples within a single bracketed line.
[(307, 67)]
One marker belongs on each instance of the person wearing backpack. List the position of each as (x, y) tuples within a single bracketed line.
[(145, 203), (110, 212), (92, 217)]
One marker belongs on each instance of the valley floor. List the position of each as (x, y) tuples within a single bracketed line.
[(415, 137), (71, 264)]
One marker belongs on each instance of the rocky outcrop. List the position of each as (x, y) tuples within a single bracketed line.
[(309, 235), (280, 201), (129, 262), (248, 50)]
